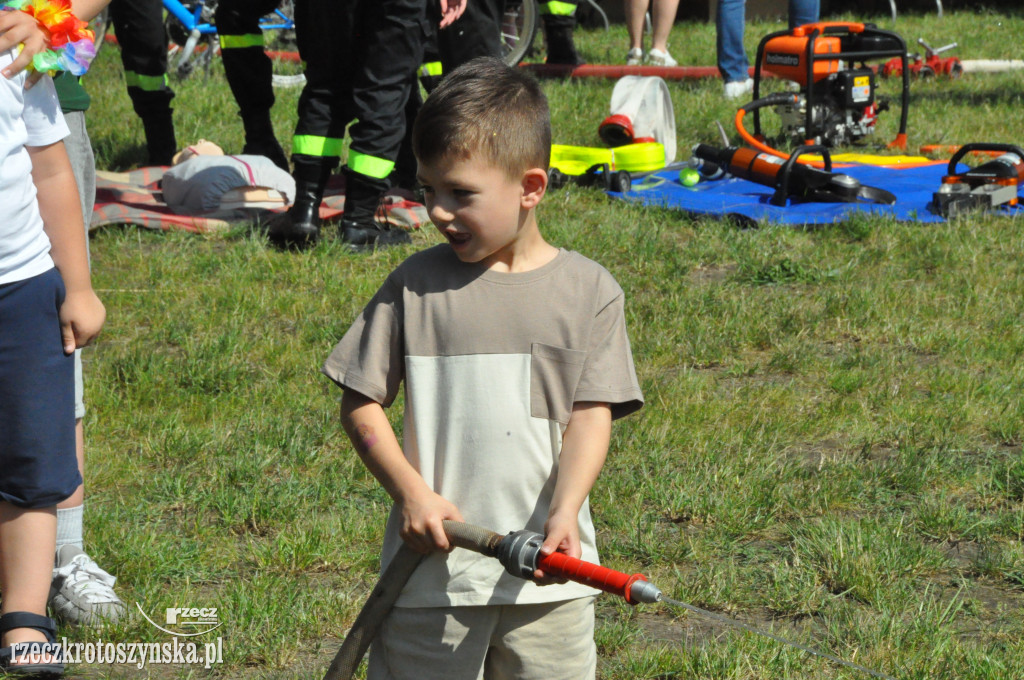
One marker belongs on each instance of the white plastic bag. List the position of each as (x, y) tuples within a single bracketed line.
[(641, 110)]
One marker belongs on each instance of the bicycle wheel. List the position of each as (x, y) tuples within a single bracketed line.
[(518, 30), (186, 53), (279, 42), (99, 25)]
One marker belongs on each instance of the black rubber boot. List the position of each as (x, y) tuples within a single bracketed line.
[(558, 39), (161, 144), (260, 139), (299, 227), (359, 228)]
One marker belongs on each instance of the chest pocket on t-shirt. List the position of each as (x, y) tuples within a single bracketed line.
[(554, 374)]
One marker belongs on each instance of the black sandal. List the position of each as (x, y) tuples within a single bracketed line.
[(10, 656)]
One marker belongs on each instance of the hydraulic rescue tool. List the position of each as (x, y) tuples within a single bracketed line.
[(836, 104), (790, 178), (519, 552), (987, 186)]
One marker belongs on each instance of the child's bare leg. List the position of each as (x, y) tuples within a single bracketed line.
[(28, 538)]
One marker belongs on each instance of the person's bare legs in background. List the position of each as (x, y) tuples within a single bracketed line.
[(663, 16)]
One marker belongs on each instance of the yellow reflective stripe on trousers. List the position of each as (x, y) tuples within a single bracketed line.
[(148, 83), (311, 145), (234, 42), (559, 9), (431, 68), (371, 166)]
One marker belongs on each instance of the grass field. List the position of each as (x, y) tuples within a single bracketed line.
[(830, 449)]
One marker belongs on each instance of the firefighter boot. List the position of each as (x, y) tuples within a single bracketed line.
[(359, 228), (299, 227), (558, 38), (161, 144), (260, 139)]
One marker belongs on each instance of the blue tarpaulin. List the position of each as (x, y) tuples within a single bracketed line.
[(749, 202)]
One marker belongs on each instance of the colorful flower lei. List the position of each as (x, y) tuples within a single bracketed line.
[(71, 40)]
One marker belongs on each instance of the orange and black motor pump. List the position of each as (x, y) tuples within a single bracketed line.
[(821, 59)]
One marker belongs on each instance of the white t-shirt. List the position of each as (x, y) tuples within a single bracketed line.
[(31, 118), (492, 364)]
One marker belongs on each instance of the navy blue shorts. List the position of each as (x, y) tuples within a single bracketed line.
[(38, 468)]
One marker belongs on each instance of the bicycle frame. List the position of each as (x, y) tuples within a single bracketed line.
[(199, 29), (193, 20)]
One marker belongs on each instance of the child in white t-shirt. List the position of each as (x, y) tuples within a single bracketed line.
[(47, 309)]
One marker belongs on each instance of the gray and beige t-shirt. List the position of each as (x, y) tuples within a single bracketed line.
[(492, 364)]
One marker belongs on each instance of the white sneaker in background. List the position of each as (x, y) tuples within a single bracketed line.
[(82, 592), (659, 58), (738, 88), (634, 57)]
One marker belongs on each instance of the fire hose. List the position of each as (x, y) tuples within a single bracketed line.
[(519, 553)]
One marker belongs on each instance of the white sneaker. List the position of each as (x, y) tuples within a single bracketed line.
[(81, 591), (634, 57), (738, 88), (659, 58)]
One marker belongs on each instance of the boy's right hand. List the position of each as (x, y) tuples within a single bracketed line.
[(81, 318), (422, 517)]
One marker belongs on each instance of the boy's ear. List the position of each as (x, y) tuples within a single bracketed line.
[(535, 184)]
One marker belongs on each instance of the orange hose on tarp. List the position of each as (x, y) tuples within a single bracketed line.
[(758, 144), (816, 161), (949, 149)]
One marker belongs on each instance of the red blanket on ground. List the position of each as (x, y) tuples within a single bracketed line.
[(134, 198)]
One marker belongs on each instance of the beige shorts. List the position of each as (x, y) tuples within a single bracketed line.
[(552, 641)]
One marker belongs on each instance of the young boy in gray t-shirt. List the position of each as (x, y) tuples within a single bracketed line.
[(515, 360)]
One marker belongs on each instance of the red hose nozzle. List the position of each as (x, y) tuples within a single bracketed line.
[(519, 553)]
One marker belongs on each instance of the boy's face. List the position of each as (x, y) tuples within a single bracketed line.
[(484, 213)]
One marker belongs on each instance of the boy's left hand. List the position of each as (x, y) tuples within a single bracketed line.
[(561, 534), (81, 318), (19, 28)]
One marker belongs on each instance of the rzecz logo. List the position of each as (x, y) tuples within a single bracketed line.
[(191, 620)]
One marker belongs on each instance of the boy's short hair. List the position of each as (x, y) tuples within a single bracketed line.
[(486, 107)]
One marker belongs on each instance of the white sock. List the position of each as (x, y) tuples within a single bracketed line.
[(69, 526)]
